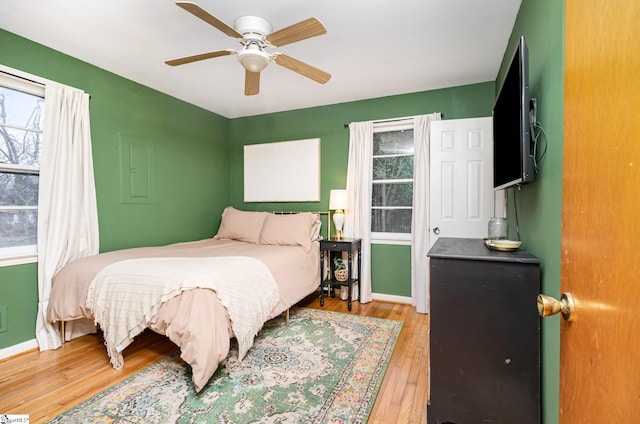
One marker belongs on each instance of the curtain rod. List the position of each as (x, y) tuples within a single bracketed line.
[(392, 119)]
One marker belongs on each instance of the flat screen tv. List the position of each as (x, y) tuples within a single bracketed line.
[(513, 147)]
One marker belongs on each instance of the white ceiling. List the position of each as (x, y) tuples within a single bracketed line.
[(373, 48)]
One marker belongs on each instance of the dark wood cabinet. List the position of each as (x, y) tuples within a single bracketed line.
[(484, 334)]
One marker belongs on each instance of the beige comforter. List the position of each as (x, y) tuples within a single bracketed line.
[(195, 320)]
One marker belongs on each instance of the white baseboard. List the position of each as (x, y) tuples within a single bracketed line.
[(391, 298), (19, 348)]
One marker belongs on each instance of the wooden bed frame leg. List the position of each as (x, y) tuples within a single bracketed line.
[(62, 337), (286, 317)]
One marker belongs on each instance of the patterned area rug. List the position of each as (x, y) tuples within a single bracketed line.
[(324, 367)]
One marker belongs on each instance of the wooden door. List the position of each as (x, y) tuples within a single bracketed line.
[(600, 265), (461, 178)]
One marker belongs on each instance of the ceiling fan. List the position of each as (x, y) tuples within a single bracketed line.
[(255, 34)]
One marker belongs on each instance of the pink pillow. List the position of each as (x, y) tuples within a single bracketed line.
[(290, 230), (241, 225)]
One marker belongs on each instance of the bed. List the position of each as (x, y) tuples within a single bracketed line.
[(196, 293)]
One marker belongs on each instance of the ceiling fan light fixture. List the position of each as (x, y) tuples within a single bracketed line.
[(253, 58)]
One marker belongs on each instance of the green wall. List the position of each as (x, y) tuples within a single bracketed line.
[(391, 270), (540, 203), (191, 167), (19, 292)]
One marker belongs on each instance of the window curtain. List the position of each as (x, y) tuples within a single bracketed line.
[(67, 210), (420, 217), (358, 216)]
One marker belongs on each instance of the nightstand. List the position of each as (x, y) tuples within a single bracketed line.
[(327, 277)]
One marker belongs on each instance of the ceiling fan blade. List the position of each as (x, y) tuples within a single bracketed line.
[(197, 57), (302, 68), (251, 83), (209, 18), (301, 31)]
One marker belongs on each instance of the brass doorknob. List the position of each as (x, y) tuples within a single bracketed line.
[(548, 306)]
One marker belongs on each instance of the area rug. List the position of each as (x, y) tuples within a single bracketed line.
[(323, 367)]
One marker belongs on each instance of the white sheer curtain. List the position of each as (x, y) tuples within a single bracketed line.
[(420, 217), (358, 216), (67, 211)]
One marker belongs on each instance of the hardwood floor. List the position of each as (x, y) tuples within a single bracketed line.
[(45, 384)]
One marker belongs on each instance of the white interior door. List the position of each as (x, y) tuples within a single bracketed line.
[(461, 180)]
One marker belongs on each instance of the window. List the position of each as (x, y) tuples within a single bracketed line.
[(392, 190), (21, 122)]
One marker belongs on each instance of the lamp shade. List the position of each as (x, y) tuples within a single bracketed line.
[(338, 200), (253, 58)]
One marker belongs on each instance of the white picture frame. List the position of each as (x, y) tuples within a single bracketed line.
[(284, 171)]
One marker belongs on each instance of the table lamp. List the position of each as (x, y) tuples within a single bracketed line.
[(338, 204)]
